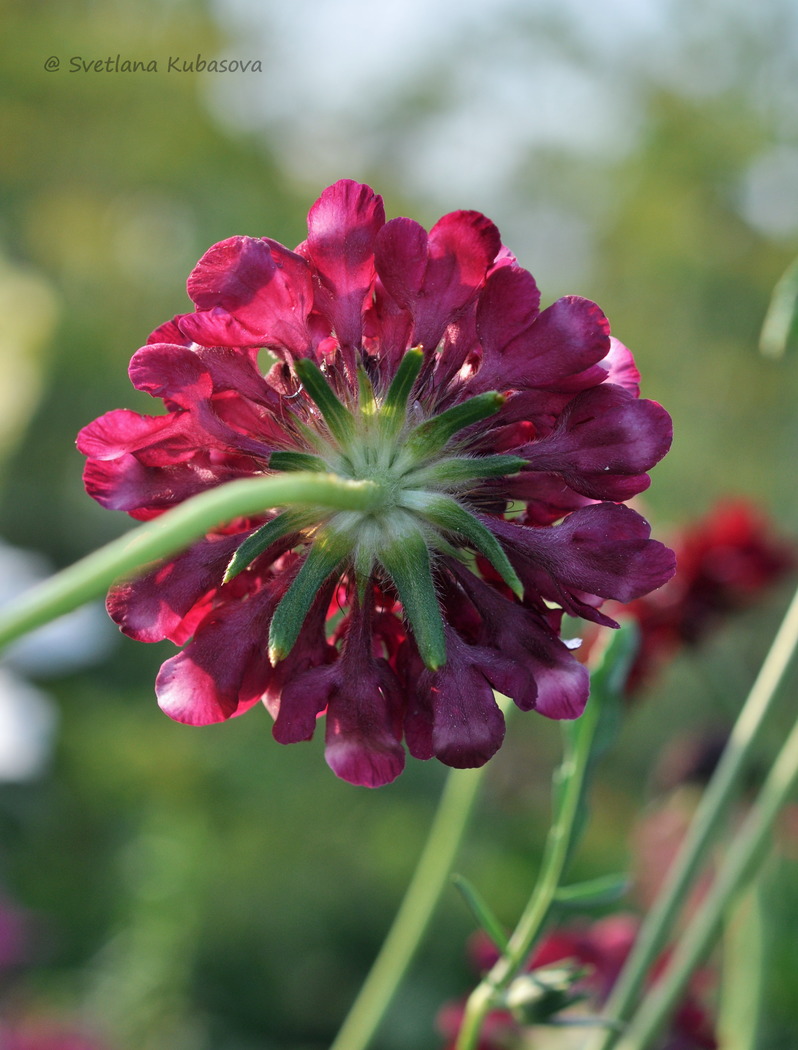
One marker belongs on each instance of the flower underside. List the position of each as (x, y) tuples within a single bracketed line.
[(414, 511), (420, 366)]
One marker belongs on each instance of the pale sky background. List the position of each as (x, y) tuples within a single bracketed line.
[(457, 98)]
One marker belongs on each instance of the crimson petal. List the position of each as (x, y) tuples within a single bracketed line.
[(342, 228), (436, 276)]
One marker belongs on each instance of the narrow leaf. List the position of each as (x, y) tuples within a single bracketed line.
[(296, 461), (254, 545), (406, 560), (394, 406), (447, 514), (604, 890), (324, 557), (431, 436), (481, 912), (365, 388), (457, 470), (336, 415)]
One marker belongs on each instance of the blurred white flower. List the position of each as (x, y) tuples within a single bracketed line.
[(28, 715)]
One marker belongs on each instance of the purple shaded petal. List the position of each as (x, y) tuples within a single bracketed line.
[(225, 669), (603, 443), (364, 710), (550, 680), (436, 276), (342, 229), (454, 715), (364, 728), (601, 550), (155, 606), (143, 491), (536, 350), (388, 328), (547, 496), (296, 719)]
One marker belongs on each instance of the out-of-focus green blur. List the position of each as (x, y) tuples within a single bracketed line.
[(207, 889)]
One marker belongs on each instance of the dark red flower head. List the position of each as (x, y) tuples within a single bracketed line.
[(726, 561), (421, 363)]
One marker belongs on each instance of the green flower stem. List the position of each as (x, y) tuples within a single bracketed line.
[(427, 884), (560, 839), (705, 825), (172, 532), (746, 852)]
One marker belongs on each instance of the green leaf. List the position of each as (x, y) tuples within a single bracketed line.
[(324, 557), (432, 435), (744, 968), (481, 912), (448, 514), (336, 415), (365, 389), (296, 461), (406, 560), (607, 889), (254, 545), (458, 470), (394, 405)]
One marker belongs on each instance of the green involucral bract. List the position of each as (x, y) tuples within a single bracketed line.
[(421, 475)]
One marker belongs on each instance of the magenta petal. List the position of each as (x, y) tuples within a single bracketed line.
[(436, 276), (155, 606), (564, 340), (401, 259), (121, 431), (364, 710), (170, 333), (250, 292), (621, 367), (125, 483), (342, 228), (231, 275), (303, 698), (173, 373), (225, 669)]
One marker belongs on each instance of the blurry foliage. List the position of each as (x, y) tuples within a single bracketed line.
[(208, 888)]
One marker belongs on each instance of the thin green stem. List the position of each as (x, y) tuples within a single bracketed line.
[(429, 879), (749, 847), (171, 532), (703, 830), (558, 848)]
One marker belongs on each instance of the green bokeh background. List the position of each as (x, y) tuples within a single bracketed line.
[(206, 889)]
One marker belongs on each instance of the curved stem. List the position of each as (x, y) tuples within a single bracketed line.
[(171, 532), (709, 815), (419, 902), (750, 845), (558, 847)]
